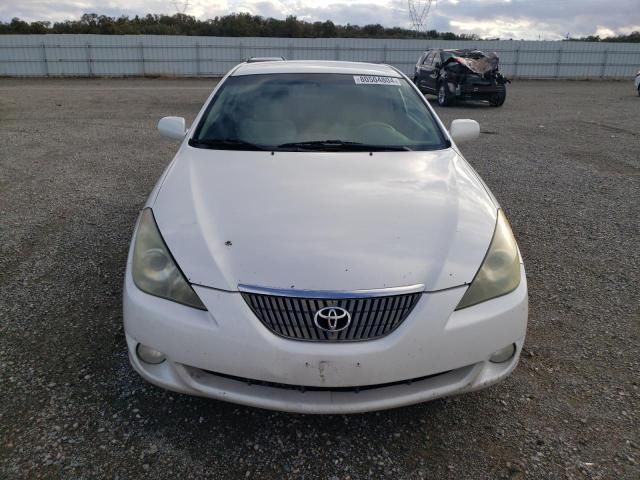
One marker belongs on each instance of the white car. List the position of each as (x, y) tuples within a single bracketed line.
[(319, 245), (636, 82)]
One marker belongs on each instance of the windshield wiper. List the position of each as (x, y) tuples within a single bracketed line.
[(342, 145), (316, 145), (226, 144)]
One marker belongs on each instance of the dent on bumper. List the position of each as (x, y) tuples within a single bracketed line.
[(193, 381)]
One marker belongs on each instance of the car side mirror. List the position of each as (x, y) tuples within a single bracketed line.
[(437, 65), (464, 130), (172, 127)]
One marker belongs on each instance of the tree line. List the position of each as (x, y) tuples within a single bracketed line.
[(241, 25), (233, 25), (633, 37)]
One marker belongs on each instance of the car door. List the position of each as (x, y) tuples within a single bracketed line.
[(431, 80), (424, 71)]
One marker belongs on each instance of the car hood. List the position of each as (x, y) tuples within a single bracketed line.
[(325, 221)]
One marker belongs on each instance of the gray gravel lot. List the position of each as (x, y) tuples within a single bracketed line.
[(79, 157)]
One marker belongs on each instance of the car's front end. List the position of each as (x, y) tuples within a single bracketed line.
[(322, 277), (260, 344), (471, 86), (228, 353), (473, 75)]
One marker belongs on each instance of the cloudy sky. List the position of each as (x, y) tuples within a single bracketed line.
[(528, 19)]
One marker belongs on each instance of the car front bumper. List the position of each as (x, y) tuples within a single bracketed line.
[(476, 91), (228, 354)]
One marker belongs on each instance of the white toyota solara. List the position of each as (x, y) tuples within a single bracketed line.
[(319, 245)]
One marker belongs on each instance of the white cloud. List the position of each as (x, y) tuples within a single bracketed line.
[(529, 19), (506, 28), (629, 29), (604, 32)]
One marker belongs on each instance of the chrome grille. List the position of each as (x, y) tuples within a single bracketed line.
[(293, 316)]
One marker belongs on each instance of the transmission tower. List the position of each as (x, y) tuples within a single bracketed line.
[(181, 6), (418, 13)]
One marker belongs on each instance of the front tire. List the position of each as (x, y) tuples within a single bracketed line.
[(498, 98), (445, 98)]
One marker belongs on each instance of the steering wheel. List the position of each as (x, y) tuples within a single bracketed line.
[(381, 131), (371, 125)]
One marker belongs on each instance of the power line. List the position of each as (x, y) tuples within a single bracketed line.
[(181, 6), (418, 14)]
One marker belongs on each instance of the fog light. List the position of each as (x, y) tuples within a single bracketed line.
[(503, 354), (150, 355)]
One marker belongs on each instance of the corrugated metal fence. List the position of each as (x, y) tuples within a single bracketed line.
[(151, 55)]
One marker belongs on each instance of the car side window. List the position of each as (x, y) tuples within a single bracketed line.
[(436, 59), (427, 60)]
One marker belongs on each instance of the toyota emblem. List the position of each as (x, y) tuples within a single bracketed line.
[(332, 319)]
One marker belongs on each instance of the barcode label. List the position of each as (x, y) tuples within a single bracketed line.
[(375, 80)]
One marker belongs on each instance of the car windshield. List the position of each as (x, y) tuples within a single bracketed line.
[(446, 56), (312, 111)]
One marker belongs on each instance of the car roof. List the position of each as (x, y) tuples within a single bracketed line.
[(315, 66), (264, 59), (452, 50)]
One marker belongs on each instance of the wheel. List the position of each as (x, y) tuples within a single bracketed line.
[(445, 98), (497, 99)]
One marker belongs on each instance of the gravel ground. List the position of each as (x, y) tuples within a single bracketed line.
[(78, 158)]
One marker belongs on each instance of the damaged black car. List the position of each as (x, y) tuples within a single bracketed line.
[(463, 74)]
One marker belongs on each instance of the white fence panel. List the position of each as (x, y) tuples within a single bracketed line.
[(158, 55)]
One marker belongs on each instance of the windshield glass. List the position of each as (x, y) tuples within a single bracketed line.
[(336, 112)]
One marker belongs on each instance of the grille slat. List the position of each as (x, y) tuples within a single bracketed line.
[(263, 311), (293, 314), (391, 306), (282, 305), (402, 304), (377, 310), (348, 335), (293, 317), (367, 319), (271, 313)]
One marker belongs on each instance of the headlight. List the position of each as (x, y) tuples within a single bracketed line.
[(499, 273), (154, 270)]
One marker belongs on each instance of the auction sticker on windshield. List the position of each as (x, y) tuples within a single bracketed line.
[(375, 80)]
